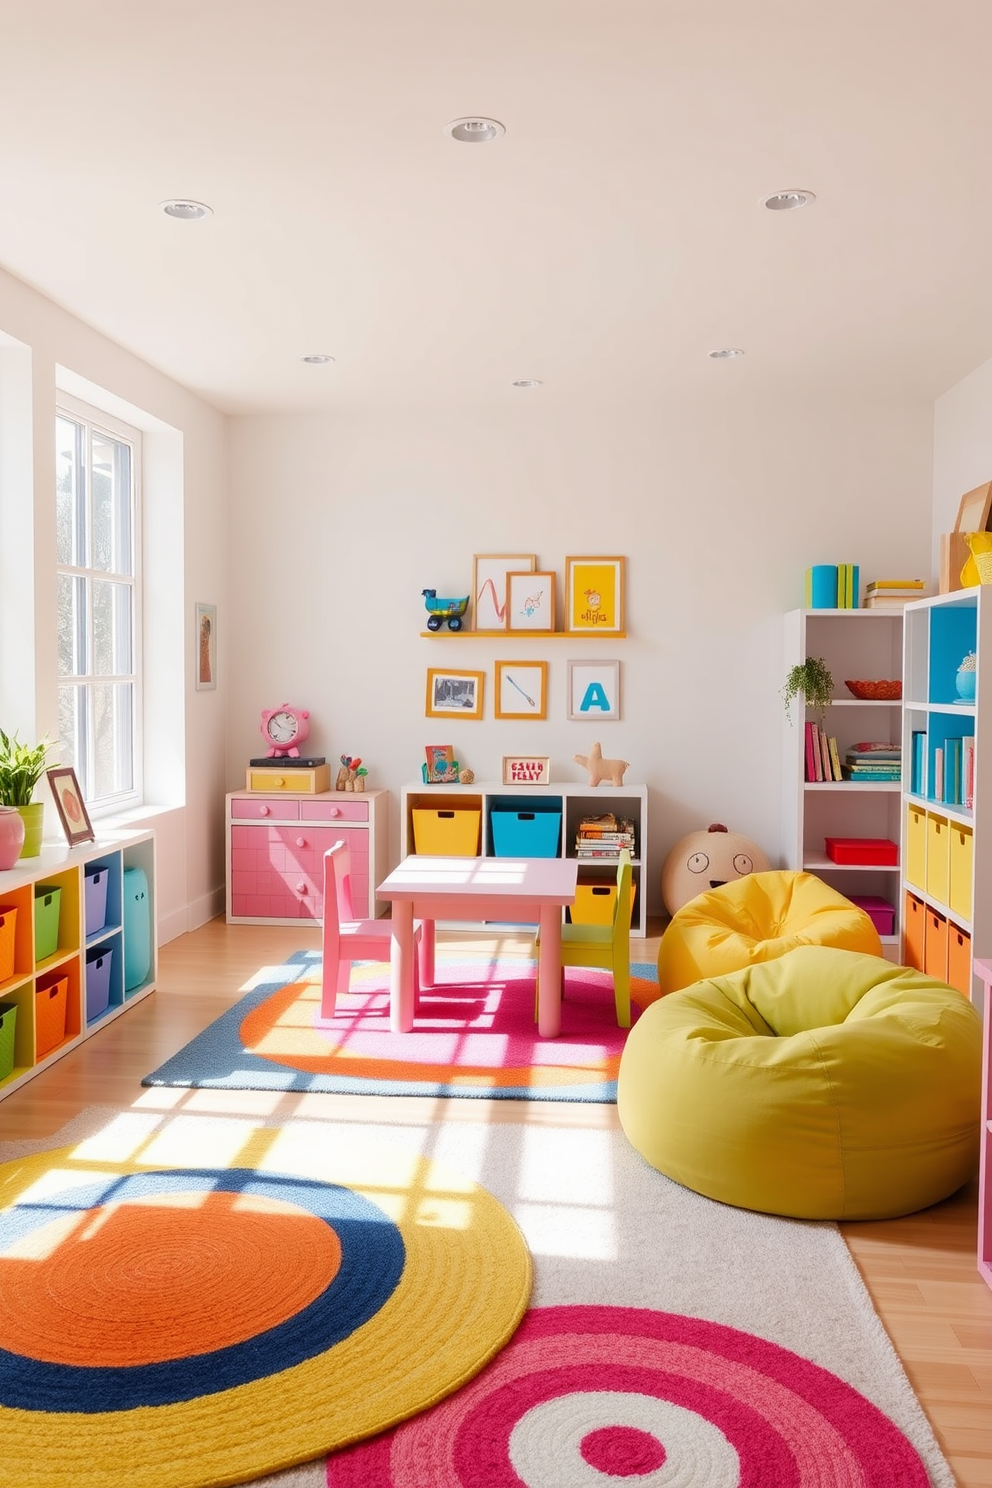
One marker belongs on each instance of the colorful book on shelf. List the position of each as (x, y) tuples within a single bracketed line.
[(918, 758), (810, 747), (883, 584), (968, 772), (828, 772), (886, 601), (821, 587), (952, 772), (938, 774), (835, 759)]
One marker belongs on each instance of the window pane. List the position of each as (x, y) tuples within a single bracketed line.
[(111, 499), (71, 623), (69, 731), (69, 493), (111, 628), (112, 723)]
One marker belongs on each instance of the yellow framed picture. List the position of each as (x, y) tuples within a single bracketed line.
[(521, 689), (454, 694), (594, 596)]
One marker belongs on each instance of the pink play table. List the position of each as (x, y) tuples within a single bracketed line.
[(505, 889)]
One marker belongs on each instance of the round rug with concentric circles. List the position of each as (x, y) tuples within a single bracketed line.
[(191, 1325), (613, 1397)]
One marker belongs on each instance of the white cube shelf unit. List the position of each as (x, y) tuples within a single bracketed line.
[(89, 970), (857, 645), (570, 801)]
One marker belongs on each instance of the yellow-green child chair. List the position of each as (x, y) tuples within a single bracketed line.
[(605, 946)]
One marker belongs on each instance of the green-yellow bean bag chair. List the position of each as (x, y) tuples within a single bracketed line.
[(821, 1085), (756, 919)]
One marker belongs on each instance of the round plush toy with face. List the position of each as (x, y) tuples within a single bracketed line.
[(705, 860)]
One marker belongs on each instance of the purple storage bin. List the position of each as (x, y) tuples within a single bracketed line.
[(98, 964), (881, 913), (95, 894)]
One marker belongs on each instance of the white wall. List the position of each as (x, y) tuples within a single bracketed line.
[(962, 454), (340, 521), (185, 555)]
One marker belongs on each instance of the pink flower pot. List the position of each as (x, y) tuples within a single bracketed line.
[(11, 836)]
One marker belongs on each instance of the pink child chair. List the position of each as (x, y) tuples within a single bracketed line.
[(346, 939)]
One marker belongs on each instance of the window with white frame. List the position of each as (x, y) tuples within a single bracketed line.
[(97, 461)]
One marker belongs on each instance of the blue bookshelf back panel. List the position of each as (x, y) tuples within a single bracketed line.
[(953, 632)]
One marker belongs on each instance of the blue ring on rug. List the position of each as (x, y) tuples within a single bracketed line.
[(373, 1256)]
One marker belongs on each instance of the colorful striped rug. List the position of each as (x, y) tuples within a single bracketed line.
[(474, 1035)]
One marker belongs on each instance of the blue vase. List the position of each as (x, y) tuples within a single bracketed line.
[(964, 683)]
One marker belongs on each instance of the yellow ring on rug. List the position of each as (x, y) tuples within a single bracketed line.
[(465, 1271)]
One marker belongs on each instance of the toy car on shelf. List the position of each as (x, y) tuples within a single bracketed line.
[(440, 610)]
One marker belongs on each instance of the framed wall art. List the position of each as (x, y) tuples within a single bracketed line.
[(530, 602), (593, 690), (454, 694), (526, 769), (489, 585), (70, 805), (594, 596), (206, 647), (442, 767), (521, 689)]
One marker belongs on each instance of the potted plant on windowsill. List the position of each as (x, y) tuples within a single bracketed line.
[(811, 679), (21, 767)]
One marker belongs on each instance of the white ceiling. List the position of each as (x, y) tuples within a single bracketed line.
[(609, 240)]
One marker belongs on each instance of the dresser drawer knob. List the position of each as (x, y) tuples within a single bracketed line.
[(263, 810), (301, 888), (334, 810), (301, 842)]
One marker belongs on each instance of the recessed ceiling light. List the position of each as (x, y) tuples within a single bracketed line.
[(724, 353), (316, 358), (187, 211), (787, 201), (528, 382), (474, 131)]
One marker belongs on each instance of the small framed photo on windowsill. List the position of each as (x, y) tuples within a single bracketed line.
[(70, 805)]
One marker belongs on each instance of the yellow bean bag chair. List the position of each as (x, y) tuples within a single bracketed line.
[(755, 919), (821, 1085)]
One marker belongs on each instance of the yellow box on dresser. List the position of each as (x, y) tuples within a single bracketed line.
[(306, 782)]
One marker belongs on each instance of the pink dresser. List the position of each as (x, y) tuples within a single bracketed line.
[(275, 851)]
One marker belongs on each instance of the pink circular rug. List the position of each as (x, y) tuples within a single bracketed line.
[(585, 1397)]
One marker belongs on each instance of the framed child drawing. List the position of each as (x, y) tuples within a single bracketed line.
[(489, 586), (594, 596)]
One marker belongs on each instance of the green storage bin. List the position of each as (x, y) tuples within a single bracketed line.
[(47, 902), (8, 1021)]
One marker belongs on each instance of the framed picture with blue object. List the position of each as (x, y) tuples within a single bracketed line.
[(593, 691)]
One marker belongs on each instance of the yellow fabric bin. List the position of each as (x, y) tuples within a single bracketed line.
[(446, 832), (938, 857), (594, 903), (959, 871), (916, 846)]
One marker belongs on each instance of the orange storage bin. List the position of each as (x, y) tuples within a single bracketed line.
[(914, 932), (8, 924), (50, 1001), (935, 946), (959, 959)]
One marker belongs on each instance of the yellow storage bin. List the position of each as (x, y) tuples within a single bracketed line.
[(594, 903), (447, 832), (938, 856), (916, 846), (960, 864)]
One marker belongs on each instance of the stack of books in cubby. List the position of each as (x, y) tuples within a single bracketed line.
[(894, 594), (604, 836), (873, 763), (833, 586), (953, 781), (822, 755)]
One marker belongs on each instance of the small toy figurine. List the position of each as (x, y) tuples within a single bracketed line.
[(439, 610), (348, 773), (611, 770)]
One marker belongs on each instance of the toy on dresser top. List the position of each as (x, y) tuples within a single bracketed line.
[(352, 774)]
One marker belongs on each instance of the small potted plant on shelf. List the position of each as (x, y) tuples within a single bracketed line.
[(964, 681), (811, 679), (21, 767)]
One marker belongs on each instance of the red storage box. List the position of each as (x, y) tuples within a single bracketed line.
[(881, 913), (872, 850)]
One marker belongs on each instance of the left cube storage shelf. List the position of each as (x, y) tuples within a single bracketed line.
[(62, 944)]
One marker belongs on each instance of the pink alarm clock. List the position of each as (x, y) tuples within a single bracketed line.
[(284, 730)]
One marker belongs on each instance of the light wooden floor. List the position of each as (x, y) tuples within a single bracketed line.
[(920, 1270)]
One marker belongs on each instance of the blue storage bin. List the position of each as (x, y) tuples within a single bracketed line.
[(99, 961), (137, 929), (95, 897), (526, 834)]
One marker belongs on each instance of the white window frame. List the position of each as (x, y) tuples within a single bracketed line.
[(95, 420)]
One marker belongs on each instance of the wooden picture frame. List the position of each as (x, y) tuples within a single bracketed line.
[(454, 694), (489, 571), (594, 596), (521, 689), (70, 805), (205, 655), (974, 510), (593, 691), (526, 769), (530, 601)]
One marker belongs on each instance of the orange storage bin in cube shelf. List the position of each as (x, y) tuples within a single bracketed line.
[(880, 851), (935, 946), (8, 924), (50, 1001), (914, 932), (959, 959)]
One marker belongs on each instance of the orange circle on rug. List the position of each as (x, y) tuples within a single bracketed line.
[(105, 1289)]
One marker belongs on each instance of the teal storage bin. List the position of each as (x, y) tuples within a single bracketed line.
[(47, 906), (526, 834), (137, 929), (8, 1023)]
